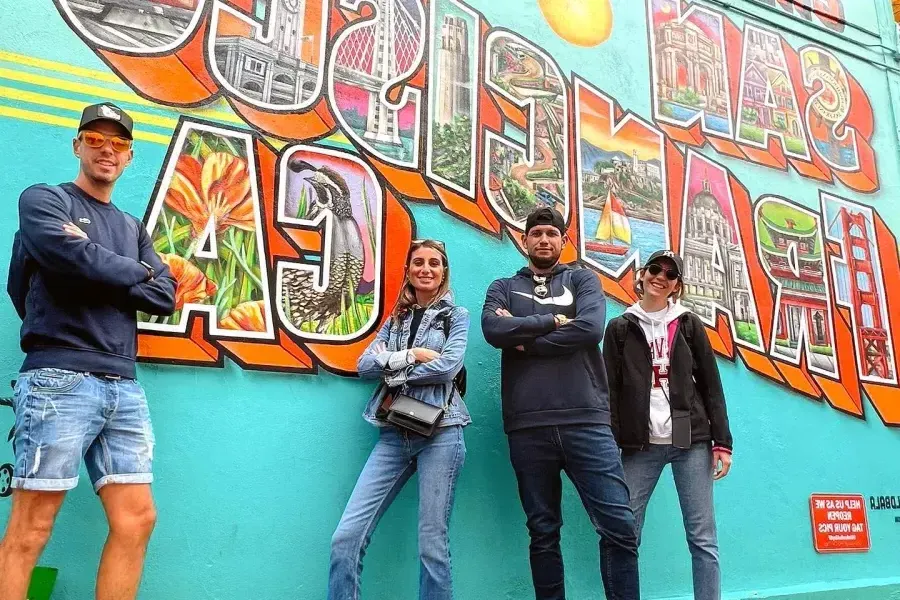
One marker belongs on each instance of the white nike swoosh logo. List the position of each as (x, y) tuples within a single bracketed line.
[(565, 300)]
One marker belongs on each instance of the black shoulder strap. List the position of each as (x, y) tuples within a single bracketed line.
[(459, 382), (621, 331), (687, 329), (447, 325)]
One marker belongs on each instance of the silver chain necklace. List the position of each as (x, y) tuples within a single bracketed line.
[(540, 287)]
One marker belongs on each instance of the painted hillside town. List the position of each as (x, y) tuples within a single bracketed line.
[(768, 101), (515, 186)]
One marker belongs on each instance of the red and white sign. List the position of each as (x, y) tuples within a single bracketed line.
[(839, 523)]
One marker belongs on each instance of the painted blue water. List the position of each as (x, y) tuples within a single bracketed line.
[(684, 113), (403, 152), (846, 158), (646, 237)]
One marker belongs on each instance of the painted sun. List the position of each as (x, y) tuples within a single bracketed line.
[(581, 22)]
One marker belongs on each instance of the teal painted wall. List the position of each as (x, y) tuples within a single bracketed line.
[(253, 469)]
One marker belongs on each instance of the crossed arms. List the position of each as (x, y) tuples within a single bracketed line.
[(428, 368), (540, 335), (60, 247)]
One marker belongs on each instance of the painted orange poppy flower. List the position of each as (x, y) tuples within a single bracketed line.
[(218, 189), (191, 285), (247, 316)]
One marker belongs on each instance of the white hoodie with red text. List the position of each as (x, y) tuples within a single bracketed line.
[(659, 329)]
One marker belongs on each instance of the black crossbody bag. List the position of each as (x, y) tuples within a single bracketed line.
[(420, 417)]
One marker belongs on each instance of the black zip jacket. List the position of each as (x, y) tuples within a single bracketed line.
[(695, 389), (559, 378)]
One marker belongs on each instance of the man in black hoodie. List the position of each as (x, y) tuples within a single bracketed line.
[(80, 271), (549, 319)]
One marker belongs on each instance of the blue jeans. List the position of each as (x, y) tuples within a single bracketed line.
[(62, 416), (693, 473), (589, 456), (396, 456)]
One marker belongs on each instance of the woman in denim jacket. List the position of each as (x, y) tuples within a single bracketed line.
[(412, 356)]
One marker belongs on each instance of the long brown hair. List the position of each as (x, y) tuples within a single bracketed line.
[(407, 298)]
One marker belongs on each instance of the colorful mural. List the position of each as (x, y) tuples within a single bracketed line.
[(623, 184), (829, 13), (716, 275), (281, 250), (763, 108), (527, 166)]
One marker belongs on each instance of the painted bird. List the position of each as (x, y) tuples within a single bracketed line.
[(304, 302)]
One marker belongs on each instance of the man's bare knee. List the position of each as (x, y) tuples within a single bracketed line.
[(136, 523), (29, 539), (31, 521), (130, 511)]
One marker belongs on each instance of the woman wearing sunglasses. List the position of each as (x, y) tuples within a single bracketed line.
[(668, 407), (417, 356)]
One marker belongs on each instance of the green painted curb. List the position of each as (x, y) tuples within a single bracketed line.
[(42, 581)]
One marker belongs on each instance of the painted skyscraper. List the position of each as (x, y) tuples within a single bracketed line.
[(454, 79)]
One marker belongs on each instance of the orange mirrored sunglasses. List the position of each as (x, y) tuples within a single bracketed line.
[(95, 139)]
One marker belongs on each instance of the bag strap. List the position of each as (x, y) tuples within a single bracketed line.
[(447, 322), (621, 331)]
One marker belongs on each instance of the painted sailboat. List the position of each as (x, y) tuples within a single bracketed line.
[(614, 225)]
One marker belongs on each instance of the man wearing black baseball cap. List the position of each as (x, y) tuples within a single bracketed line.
[(109, 113), (80, 271), (548, 320)]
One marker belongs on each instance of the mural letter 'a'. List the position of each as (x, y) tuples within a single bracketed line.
[(271, 56), (369, 62), (330, 204), (206, 225), (768, 105), (526, 163), (715, 266)]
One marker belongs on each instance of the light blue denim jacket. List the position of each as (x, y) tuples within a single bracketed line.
[(429, 382)]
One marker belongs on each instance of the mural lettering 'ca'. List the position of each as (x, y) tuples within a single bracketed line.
[(279, 240)]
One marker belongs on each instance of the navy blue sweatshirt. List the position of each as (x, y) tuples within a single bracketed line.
[(560, 377), (78, 298)]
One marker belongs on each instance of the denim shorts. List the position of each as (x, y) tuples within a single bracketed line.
[(62, 416)]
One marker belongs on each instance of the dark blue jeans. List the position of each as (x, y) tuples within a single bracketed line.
[(589, 456)]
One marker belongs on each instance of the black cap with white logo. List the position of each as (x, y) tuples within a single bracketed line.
[(679, 264), (107, 111)]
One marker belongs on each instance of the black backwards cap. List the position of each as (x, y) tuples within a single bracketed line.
[(544, 215)]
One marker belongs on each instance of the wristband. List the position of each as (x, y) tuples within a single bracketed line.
[(151, 272)]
